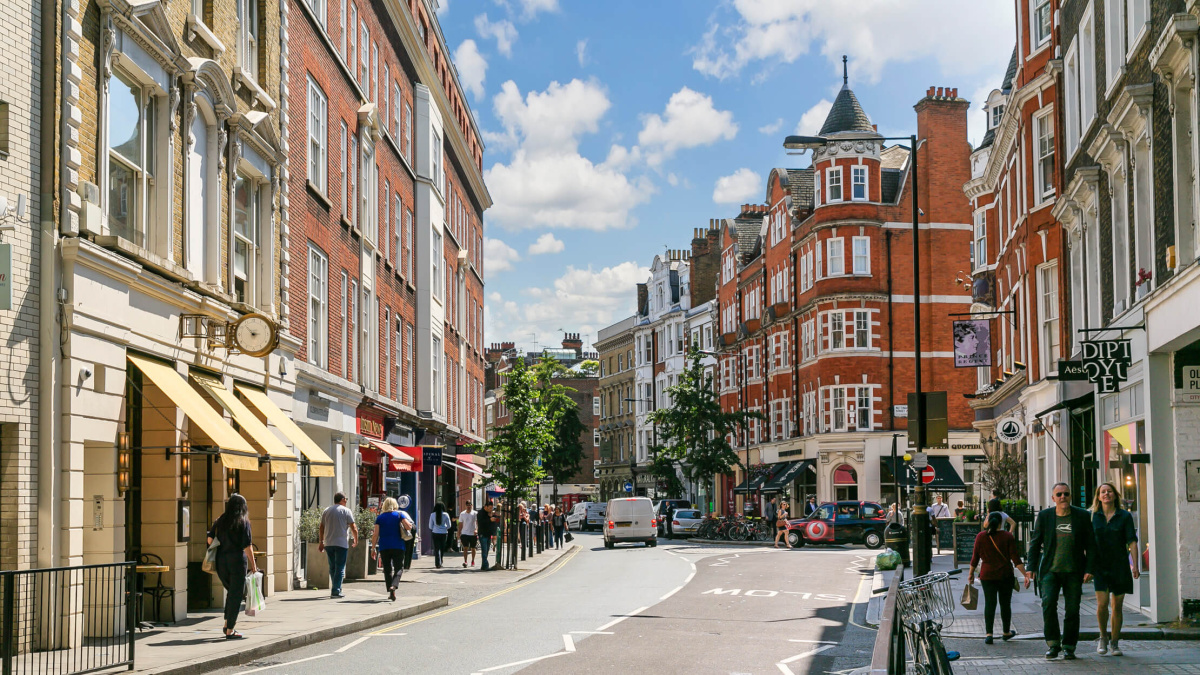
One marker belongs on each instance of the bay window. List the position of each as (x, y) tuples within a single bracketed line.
[(833, 186), (837, 256), (858, 183), (862, 255)]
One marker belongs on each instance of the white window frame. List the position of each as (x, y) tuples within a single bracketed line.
[(249, 25), (861, 252), (318, 140), (1087, 70), (318, 307), (1049, 339), (1043, 147), (1071, 111), (1114, 40), (837, 256), (435, 359), (833, 183), (859, 178), (142, 204), (435, 265), (595, 405), (1041, 27), (246, 238)]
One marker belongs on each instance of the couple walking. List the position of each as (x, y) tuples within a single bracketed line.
[(1069, 548)]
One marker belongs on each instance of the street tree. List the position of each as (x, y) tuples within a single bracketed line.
[(1005, 472), (565, 455), (665, 470), (694, 431)]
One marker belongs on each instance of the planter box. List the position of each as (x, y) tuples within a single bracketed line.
[(358, 564), (316, 570)]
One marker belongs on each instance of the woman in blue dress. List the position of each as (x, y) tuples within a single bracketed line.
[(1116, 563)]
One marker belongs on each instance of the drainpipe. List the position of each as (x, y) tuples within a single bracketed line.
[(49, 494), (796, 340), (887, 238)]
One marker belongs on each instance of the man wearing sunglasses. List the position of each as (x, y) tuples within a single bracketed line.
[(1061, 550)]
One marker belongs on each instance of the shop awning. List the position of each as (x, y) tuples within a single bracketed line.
[(473, 468), (397, 461), (946, 478), (786, 473), (235, 451), (752, 484), (1071, 403), (282, 459), (416, 456), (319, 463)]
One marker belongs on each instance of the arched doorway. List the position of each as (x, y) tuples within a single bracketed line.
[(845, 483)]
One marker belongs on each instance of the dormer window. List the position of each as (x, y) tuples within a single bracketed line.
[(997, 113)]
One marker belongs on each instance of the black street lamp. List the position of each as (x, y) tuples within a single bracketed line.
[(921, 534)]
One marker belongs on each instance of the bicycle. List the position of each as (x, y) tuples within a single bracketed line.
[(925, 605)]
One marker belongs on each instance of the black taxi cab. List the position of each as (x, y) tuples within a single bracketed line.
[(844, 522)]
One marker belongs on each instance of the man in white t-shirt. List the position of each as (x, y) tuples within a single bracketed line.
[(466, 532)]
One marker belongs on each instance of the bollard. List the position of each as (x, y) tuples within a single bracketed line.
[(895, 537)]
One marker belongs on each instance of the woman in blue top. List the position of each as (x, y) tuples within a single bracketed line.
[(439, 524), (1116, 563), (391, 525)]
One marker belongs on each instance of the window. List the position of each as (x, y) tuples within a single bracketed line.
[(1114, 39), (837, 258), (808, 340), (407, 143), (837, 330), (248, 36), (318, 308), (1071, 101), (131, 112), (435, 360), (862, 329), (318, 8), (979, 256), (1044, 178), (1138, 14), (399, 360), (862, 255), (435, 262), (352, 29), (837, 409), (364, 57), (997, 115), (317, 150), (596, 437), (408, 364), (1087, 70), (1039, 16), (863, 408), (1120, 241), (351, 317), (817, 188), (435, 152), (344, 335), (366, 328), (396, 126), (398, 228), (410, 237), (1048, 315), (858, 186), (368, 193), (595, 405), (833, 188), (246, 216), (820, 266)]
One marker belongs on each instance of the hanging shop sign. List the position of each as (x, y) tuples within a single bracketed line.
[(972, 343), (1107, 363), (1072, 370), (1191, 385), (1010, 430), (432, 455), (370, 424)]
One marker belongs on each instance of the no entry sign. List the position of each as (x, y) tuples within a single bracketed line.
[(927, 475)]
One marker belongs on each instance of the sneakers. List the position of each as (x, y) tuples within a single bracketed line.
[(1053, 652), (1069, 655), (1102, 645), (988, 640), (1116, 651)]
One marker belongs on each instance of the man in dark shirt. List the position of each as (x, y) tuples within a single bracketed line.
[(485, 525), (1060, 552)]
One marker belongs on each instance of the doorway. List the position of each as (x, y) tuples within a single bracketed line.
[(845, 483)]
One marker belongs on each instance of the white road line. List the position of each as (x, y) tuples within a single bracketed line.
[(591, 632), (280, 665), (815, 642), (677, 589), (619, 619), (357, 642), (690, 576), (568, 642), (520, 663), (782, 665)]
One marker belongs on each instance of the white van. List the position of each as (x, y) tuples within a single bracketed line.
[(630, 519), (594, 516), (577, 518)]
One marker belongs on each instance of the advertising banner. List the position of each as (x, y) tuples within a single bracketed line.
[(972, 343)]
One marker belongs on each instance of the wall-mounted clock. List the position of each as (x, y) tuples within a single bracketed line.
[(254, 334)]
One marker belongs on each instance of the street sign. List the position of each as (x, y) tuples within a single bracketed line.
[(927, 475), (928, 423), (920, 460), (628, 486), (899, 410)]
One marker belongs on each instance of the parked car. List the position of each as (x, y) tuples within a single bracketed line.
[(594, 516), (684, 522), (663, 510), (844, 522), (630, 519), (577, 517)]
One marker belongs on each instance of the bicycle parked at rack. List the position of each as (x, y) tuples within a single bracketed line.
[(925, 605)]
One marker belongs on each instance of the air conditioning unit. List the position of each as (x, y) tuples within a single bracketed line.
[(91, 218)]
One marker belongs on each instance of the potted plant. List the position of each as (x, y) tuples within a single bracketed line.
[(316, 568), (359, 563)]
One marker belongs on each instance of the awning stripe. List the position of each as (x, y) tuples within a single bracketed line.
[(235, 451), (282, 459), (320, 465)]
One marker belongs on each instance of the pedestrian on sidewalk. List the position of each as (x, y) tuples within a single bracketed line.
[(467, 529), (391, 525), (995, 555), (781, 525), (770, 513), (337, 534), (1062, 551), (234, 554), (485, 528), (994, 506), (559, 520), (810, 507), (1116, 563), (439, 525)]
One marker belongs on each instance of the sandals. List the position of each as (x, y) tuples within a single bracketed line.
[(234, 635), (1009, 635)]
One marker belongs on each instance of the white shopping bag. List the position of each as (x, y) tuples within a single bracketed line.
[(254, 595)]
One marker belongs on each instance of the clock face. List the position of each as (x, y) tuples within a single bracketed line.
[(254, 335)]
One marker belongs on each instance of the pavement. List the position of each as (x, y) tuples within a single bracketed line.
[(299, 618)]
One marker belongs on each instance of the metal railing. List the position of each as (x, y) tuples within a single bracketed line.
[(888, 657), (67, 620)]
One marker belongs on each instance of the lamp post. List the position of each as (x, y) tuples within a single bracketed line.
[(920, 521)]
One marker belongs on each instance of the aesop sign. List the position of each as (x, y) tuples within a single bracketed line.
[(1107, 363)]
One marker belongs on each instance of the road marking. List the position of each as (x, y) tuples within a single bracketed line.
[(677, 589), (690, 576), (591, 632), (855, 601), (619, 619), (783, 668), (815, 642), (520, 663), (357, 642), (568, 642), (558, 566), (289, 663)]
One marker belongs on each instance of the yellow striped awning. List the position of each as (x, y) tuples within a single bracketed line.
[(282, 459), (236, 452), (319, 463)]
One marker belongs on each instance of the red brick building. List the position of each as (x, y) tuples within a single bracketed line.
[(384, 202), (815, 311)]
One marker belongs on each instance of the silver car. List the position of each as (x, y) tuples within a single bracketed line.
[(685, 522)]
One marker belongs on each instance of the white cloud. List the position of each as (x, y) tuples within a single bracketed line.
[(547, 183), (498, 256), (771, 128), (741, 186), (530, 8), (812, 119), (472, 67), (672, 179), (581, 52), (873, 32), (547, 243), (689, 120), (503, 31), (583, 300)]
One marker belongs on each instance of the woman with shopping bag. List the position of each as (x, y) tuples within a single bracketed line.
[(997, 550), (234, 555)]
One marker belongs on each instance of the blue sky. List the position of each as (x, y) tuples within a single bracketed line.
[(613, 128)]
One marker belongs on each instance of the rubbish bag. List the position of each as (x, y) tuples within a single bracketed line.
[(254, 595), (888, 560)]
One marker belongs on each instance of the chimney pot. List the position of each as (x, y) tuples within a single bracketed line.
[(939, 92), (954, 93), (931, 91)]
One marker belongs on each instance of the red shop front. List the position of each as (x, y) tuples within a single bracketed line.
[(373, 460)]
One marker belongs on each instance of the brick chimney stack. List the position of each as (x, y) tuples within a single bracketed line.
[(572, 341)]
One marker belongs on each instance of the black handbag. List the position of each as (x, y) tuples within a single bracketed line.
[(568, 537)]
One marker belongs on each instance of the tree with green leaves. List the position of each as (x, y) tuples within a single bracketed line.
[(694, 432), (514, 452), (565, 454), (664, 468)]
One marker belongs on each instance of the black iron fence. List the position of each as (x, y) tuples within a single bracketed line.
[(67, 620)]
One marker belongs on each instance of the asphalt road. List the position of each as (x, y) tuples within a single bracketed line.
[(677, 608)]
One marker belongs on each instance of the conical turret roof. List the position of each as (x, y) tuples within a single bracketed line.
[(846, 115)]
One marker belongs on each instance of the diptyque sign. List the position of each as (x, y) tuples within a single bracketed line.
[(1107, 363)]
